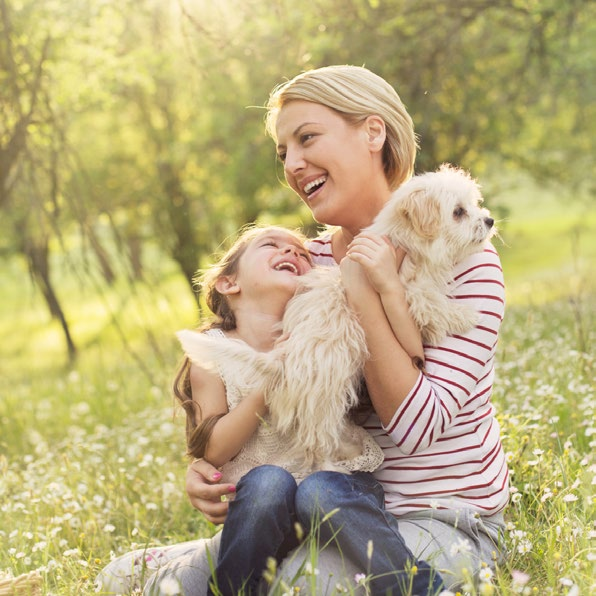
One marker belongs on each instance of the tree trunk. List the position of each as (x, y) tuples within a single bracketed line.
[(102, 256), (135, 256), (37, 253), (185, 249)]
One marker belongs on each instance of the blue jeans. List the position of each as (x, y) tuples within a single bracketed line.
[(359, 516), (260, 524)]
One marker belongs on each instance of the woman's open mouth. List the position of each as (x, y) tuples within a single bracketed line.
[(312, 187)]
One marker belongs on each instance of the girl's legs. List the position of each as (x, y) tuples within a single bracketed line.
[(359, 518), (260, 524)]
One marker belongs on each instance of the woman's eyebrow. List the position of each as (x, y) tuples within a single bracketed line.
[(296, 132)]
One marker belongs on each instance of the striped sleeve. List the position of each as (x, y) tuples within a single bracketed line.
[(459, 371)]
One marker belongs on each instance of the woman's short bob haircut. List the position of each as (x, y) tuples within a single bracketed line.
[(355, 93)]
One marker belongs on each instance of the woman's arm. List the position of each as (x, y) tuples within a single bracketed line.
[(235, 427), (417, 409)]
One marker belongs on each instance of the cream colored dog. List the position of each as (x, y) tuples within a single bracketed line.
[(311, 378)]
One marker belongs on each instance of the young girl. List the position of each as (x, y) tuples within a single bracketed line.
[(247, 290)]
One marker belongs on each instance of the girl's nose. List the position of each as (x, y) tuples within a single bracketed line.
[(291, 249)]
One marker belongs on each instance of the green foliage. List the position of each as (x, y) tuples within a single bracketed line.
[(91, 460)]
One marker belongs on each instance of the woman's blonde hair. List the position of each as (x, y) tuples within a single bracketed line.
[(223, 318), (355, 93)]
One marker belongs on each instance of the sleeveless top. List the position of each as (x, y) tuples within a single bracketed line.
[(266, 446)]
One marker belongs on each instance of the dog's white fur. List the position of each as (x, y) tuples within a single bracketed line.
[(311, 378)]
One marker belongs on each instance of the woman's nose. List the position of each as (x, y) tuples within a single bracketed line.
[(294, 162)]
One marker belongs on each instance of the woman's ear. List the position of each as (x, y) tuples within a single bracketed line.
[(226, 285), (375, 129)]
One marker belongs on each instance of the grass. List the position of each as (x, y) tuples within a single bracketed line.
[(91, 456)]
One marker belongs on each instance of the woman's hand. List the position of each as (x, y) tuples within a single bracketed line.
[(205, 492)]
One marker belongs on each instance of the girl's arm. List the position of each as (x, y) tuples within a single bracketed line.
[(382, 261), (233, 429)]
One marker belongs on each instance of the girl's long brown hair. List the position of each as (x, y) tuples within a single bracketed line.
[(197, 435)]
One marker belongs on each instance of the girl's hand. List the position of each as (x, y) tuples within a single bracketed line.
[(379, 259)]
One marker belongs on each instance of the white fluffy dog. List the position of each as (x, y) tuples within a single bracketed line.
[(311, 378)]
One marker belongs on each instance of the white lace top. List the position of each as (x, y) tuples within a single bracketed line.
[(266, 445)]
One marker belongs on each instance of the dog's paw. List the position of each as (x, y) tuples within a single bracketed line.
[(454, 320)]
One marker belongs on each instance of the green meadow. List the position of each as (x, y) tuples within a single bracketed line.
[(92, 455)]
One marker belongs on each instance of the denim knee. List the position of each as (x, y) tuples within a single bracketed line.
[(325, 491), (268, 487), (317, 495)]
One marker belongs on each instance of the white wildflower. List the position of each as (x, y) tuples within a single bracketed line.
[(169, 587), (485, 574), (461, 546)]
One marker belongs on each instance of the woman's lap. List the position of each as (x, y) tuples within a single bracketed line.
[(451, 541)]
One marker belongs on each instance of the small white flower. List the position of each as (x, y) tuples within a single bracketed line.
[(570, 498), (485, 574), (546, 495), (169, 587), (109, 528), (461, 546), (359, 578), (525, 546)]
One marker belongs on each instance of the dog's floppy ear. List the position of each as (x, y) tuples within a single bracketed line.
[(423, 213)]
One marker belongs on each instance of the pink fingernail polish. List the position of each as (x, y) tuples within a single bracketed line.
[(217, 476), (232, 489)]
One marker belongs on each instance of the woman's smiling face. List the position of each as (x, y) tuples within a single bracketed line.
[(328, 162)]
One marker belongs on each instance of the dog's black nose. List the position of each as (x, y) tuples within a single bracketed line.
[(489, 221)]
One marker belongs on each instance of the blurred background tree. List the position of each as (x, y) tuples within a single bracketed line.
[(137, 125)]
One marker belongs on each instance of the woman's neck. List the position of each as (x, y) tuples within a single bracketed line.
[(343, 235), (340, 241)]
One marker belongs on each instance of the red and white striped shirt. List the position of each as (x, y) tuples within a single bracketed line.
[(443, 447)]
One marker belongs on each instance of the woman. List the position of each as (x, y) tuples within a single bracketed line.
[(347, 142)]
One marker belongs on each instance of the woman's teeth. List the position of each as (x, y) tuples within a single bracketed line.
[(312, 186)]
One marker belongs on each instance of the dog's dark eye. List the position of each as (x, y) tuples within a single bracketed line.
[(459, 212)]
